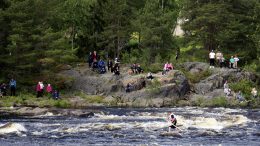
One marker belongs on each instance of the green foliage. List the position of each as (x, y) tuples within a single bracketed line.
[(245, 86), (214, 102), (32, 42), (226, 25), (91, 98), (196, 77), (31, 100), (155, 85)]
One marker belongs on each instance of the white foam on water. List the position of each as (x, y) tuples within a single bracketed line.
[(213, 123), (12, 128), (37, 133)]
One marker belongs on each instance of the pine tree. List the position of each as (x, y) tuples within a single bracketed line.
[(155, 23)]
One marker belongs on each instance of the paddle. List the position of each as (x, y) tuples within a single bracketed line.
[(177, 127)]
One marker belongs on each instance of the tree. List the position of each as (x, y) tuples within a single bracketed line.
[(33, 46), (115, 35), (155, 24), (220, 24)]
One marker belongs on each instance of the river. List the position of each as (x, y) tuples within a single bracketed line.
[(116, 126)]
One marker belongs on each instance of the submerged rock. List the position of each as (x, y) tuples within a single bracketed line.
[(171, 134)]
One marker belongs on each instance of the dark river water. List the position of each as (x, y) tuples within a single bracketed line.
[(115, 126)]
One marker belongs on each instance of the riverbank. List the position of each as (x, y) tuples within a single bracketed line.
[(190, 84)]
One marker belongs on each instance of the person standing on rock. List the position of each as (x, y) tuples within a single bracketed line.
[(49, 89), (90, 59), (12, 85), (219, 57), (109, 65), (231, 62), (236, 59), (212, 59)]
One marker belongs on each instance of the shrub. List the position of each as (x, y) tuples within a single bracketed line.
[(155, 85), (196, 77), (244, 86)]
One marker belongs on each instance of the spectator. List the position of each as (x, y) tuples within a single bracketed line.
[(117, 61), (90, 59), (95, 62), (12, 85), (231, 62), (128, 87), (254, 93), (177, 54), (116, 70), (49, 89), (134, 68), (149, 76), (101, 66), (139, 69), (3, 89), (170, 66), (236, 59), (94, 56), (212, 59), (227, 90), (219, 57), (56, 94), (165, 69), (222, 62), (38, 89), (239, 96), (109, 65)]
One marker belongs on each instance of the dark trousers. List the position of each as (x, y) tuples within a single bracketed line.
[(12, 91), (212, 62)]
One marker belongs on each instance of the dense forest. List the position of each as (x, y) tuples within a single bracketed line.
[(39, 37)]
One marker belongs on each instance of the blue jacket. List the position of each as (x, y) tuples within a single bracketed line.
[(12, 83)]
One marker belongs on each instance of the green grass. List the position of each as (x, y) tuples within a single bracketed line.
[(90, 98), (196, 77), (154, 87), (31, 100)]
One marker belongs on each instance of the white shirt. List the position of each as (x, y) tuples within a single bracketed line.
[(236, 59), (212, 55)]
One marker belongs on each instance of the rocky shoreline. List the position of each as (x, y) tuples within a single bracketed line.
[(162, 91), (37, 111)]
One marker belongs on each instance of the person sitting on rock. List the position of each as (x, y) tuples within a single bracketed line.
[(56, 94), (3, 89), (165, 69), (254, 92), (139, 69), (227, 90), (170, 66), (149, 76), (239, 96), (128, 87), (133, 68), (101, 66)]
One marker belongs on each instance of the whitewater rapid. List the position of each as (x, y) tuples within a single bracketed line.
[(137, 127)]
